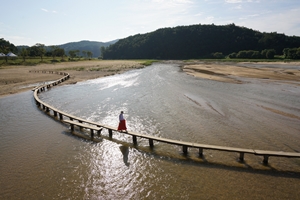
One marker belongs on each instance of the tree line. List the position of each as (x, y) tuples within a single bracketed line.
[(40, 50), (203, 41)]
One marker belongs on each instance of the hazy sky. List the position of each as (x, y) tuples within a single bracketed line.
[(54, 22)]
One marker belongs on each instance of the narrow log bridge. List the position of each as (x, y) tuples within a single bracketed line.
[(94, 126)]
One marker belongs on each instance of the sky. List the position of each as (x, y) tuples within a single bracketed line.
[(55, 22)]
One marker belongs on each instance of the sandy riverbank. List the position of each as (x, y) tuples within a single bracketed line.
[(14, 79), (231, 73)]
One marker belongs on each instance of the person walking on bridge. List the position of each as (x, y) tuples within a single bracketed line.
[(122, 122)]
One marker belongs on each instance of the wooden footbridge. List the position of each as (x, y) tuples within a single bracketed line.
[(97, 127)]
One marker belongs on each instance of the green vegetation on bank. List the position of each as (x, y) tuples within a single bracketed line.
[(82, 49), (31, 61), (147, 62)]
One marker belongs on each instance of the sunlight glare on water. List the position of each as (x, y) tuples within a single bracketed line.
[(116, 82)]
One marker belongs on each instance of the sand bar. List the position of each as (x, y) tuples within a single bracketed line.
[(231, 73), (14, 79)]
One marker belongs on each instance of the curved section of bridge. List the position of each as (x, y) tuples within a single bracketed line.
[(94, 126)]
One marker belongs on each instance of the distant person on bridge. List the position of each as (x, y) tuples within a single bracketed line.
[(122, 122)]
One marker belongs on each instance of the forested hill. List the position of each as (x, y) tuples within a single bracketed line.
[(197, 41), (85, 45)]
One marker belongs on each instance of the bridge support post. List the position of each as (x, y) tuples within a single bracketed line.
[(134, 140), (151, 143), (92, 134), (242, 156), (99, 131), (55, 113), (72, 127), (185, 149), (110, 133), (266, 158), (200, 152), (60, 116)]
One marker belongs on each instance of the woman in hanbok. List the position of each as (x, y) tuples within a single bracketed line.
[(122, 122)]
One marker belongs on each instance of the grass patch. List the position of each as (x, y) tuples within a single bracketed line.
[(147, 62), (72, 68), (32, 61), (28, 61), (95, 69)]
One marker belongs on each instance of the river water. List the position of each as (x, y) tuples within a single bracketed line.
[(41, 159)]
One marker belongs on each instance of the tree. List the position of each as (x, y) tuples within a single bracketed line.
[(102, 51), (89, 54), (84, 53), (256, 55), (292, 53), (286, 52), (41, 50), (73, 53), (54, 51), (24, 53), (6, 47), (298, 53), (242, 54), (232, 55), (218, 55), (248, 54), (33, 51), (60, 52), (268, 53)]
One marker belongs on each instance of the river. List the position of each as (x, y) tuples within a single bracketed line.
[(42, 159)]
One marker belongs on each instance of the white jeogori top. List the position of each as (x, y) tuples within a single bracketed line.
[(121, 117)]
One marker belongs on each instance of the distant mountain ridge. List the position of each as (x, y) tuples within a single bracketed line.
[(84, 45)]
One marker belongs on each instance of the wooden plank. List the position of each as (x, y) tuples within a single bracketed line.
[(83, 125), (277, 153), (194, 145), (223, 148)]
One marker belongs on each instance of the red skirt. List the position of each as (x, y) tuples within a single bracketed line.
[(122, 125)]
